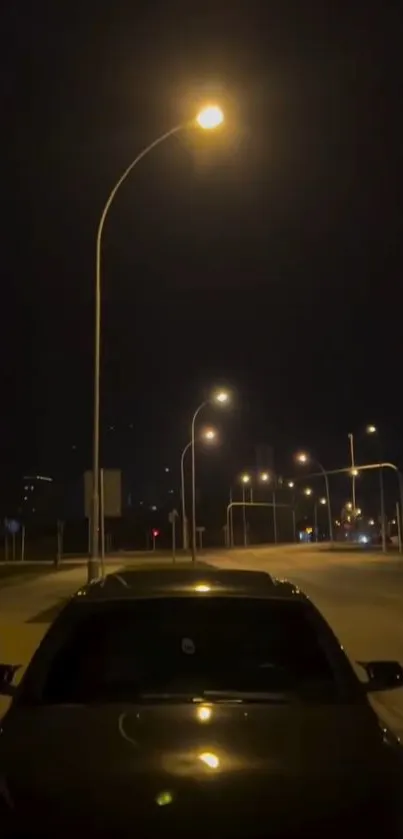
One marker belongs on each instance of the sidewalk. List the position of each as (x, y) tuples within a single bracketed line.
[(27, 606), (24, 607)]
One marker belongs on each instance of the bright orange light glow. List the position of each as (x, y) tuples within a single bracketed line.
[(210, 117), (204, 713), (302, 457), (211, 760)]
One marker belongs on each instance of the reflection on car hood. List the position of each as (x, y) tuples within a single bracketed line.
[(231, 769)]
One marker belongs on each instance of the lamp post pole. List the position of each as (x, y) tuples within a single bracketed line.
[(192, 443), (185, 540), (93, 562), (351, 438), (208, 118)]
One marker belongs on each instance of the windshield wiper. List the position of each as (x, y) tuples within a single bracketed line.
[(273, 697), (236, 696), (168, 697)]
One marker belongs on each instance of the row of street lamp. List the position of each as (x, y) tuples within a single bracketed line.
[(221, 397), (266, 478)]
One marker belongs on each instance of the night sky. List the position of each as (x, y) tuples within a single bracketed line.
[(267, 256)]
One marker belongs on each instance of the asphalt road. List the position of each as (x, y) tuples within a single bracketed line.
[(361, 596)]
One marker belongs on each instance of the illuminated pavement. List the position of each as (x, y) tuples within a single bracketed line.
[(361, 596)]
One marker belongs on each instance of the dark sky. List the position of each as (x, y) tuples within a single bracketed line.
[(267, 256)]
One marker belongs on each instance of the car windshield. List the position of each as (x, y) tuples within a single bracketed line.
[(192, 646)]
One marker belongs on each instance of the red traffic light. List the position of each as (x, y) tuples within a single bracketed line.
[(155, 533)]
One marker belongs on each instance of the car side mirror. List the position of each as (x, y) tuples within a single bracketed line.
[(382, 675), (7, 673)]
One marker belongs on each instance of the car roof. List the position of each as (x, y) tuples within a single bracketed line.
[(174, 581)]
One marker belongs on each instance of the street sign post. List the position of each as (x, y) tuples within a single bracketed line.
[(12, 526), (200, 531)]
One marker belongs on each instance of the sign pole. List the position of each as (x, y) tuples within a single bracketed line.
[(102, 514), (173, 515), (399, 527)]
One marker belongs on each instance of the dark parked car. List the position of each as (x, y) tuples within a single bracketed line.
[(198, 703)]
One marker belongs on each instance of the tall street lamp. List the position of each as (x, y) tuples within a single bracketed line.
[(209, 118), (372, 431), (291, 485), (303, 457), (309, 492), (265, 478), (219, 397), (209, 435), (245, 481), (352, 473)]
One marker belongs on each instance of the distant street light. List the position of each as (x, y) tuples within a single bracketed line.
[(322, 501), (265, 477), (354, 473), (208, 435), (218, 397), (245, 479), (221, 396), (291, 484), (303, 457), (371, 429), (307, 491), (209, 117)]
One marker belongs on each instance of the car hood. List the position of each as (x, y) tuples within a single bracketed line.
[(231, 769)]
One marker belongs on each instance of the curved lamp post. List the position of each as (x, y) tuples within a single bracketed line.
[(209, 435), (210, 117), (220, 397), (372, 431), (245, 481), (302, 457)]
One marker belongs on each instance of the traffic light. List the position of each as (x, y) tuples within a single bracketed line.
[(155, 533)]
